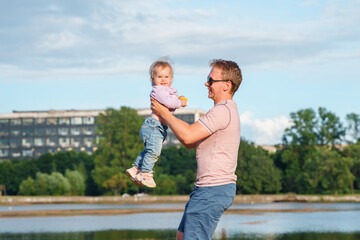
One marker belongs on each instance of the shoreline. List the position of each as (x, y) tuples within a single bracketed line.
[(150, 199), (11, 201)]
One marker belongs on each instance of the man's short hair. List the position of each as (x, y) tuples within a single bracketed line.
[(229, 71)]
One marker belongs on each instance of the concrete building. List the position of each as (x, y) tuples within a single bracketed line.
[(29, 134)]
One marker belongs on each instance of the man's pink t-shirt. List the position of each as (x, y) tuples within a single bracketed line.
[(217, 154)]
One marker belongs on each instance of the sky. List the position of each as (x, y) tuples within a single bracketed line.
[(95, 54)]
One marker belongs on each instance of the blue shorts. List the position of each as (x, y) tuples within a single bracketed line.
[(204, 209)]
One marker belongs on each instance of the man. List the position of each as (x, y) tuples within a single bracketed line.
[(216, 137)]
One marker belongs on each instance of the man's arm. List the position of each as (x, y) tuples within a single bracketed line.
[(187, 134)]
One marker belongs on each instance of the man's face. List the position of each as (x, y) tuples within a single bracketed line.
[(163, 77), (214, 89)]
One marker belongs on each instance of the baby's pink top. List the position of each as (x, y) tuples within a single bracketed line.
[(217, 154), (167, 96)]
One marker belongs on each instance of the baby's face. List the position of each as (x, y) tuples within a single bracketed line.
[(163, 77)]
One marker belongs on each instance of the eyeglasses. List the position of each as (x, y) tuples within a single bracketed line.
[(211, 81)]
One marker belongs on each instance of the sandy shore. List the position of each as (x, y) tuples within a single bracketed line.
[(145, 199)]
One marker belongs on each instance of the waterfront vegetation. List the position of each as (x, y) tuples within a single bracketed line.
[(310, 160), (169, 234)]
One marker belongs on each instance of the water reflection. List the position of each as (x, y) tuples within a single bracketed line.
[(100, 235), (141, 221), (169, 234)]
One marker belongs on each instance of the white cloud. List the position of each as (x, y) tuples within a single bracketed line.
[(266, 131), (131, 30), (60, 40)]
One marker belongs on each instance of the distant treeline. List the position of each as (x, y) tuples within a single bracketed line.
[(310, 160)]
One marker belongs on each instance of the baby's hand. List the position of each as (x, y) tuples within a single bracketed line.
[(183, 101)]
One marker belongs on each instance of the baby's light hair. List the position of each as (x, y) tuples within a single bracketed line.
[(163, 62)]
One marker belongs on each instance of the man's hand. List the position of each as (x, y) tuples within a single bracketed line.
[(159, 109)]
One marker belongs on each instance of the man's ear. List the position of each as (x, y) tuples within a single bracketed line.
[(227, 86)]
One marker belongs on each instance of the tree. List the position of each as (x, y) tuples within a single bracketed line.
[(337, 171), (116, 183), (313, 172), (27, 187), (45, 163), (353, 151), (71, 160), (13, 172), (119, 143), (175, 160), (353, 126), (179, 162), (330, 129), (55, 184), (41, 184), (167, 185), (303, 130), (76, 181), (299, 159), (58, 185), (256, 170)]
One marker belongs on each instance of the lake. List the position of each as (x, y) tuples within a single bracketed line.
[(325, 221)]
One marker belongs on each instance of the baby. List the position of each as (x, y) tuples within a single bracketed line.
[(153, 132)]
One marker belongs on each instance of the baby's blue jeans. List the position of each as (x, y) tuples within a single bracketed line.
[(153, 134)]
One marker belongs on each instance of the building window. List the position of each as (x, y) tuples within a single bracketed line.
[(64, 142), (4, 132), (15, 153), (4, 152), (39, 152), (27, 153), (51, 121), (75, 142), (76, 121), (64, 121), (38, 142), (89, 151), (89, 120), (14, 143), (88, 130), (4, 122), (27, 142), (27, 132), (75, 131), (39, 131), (52, 150), (51, 131), (4, 143), (15, 132), (88, 141), (63, 131), (14, 122), (52, 141), (40, 121), (28, 121), (189, 118)]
